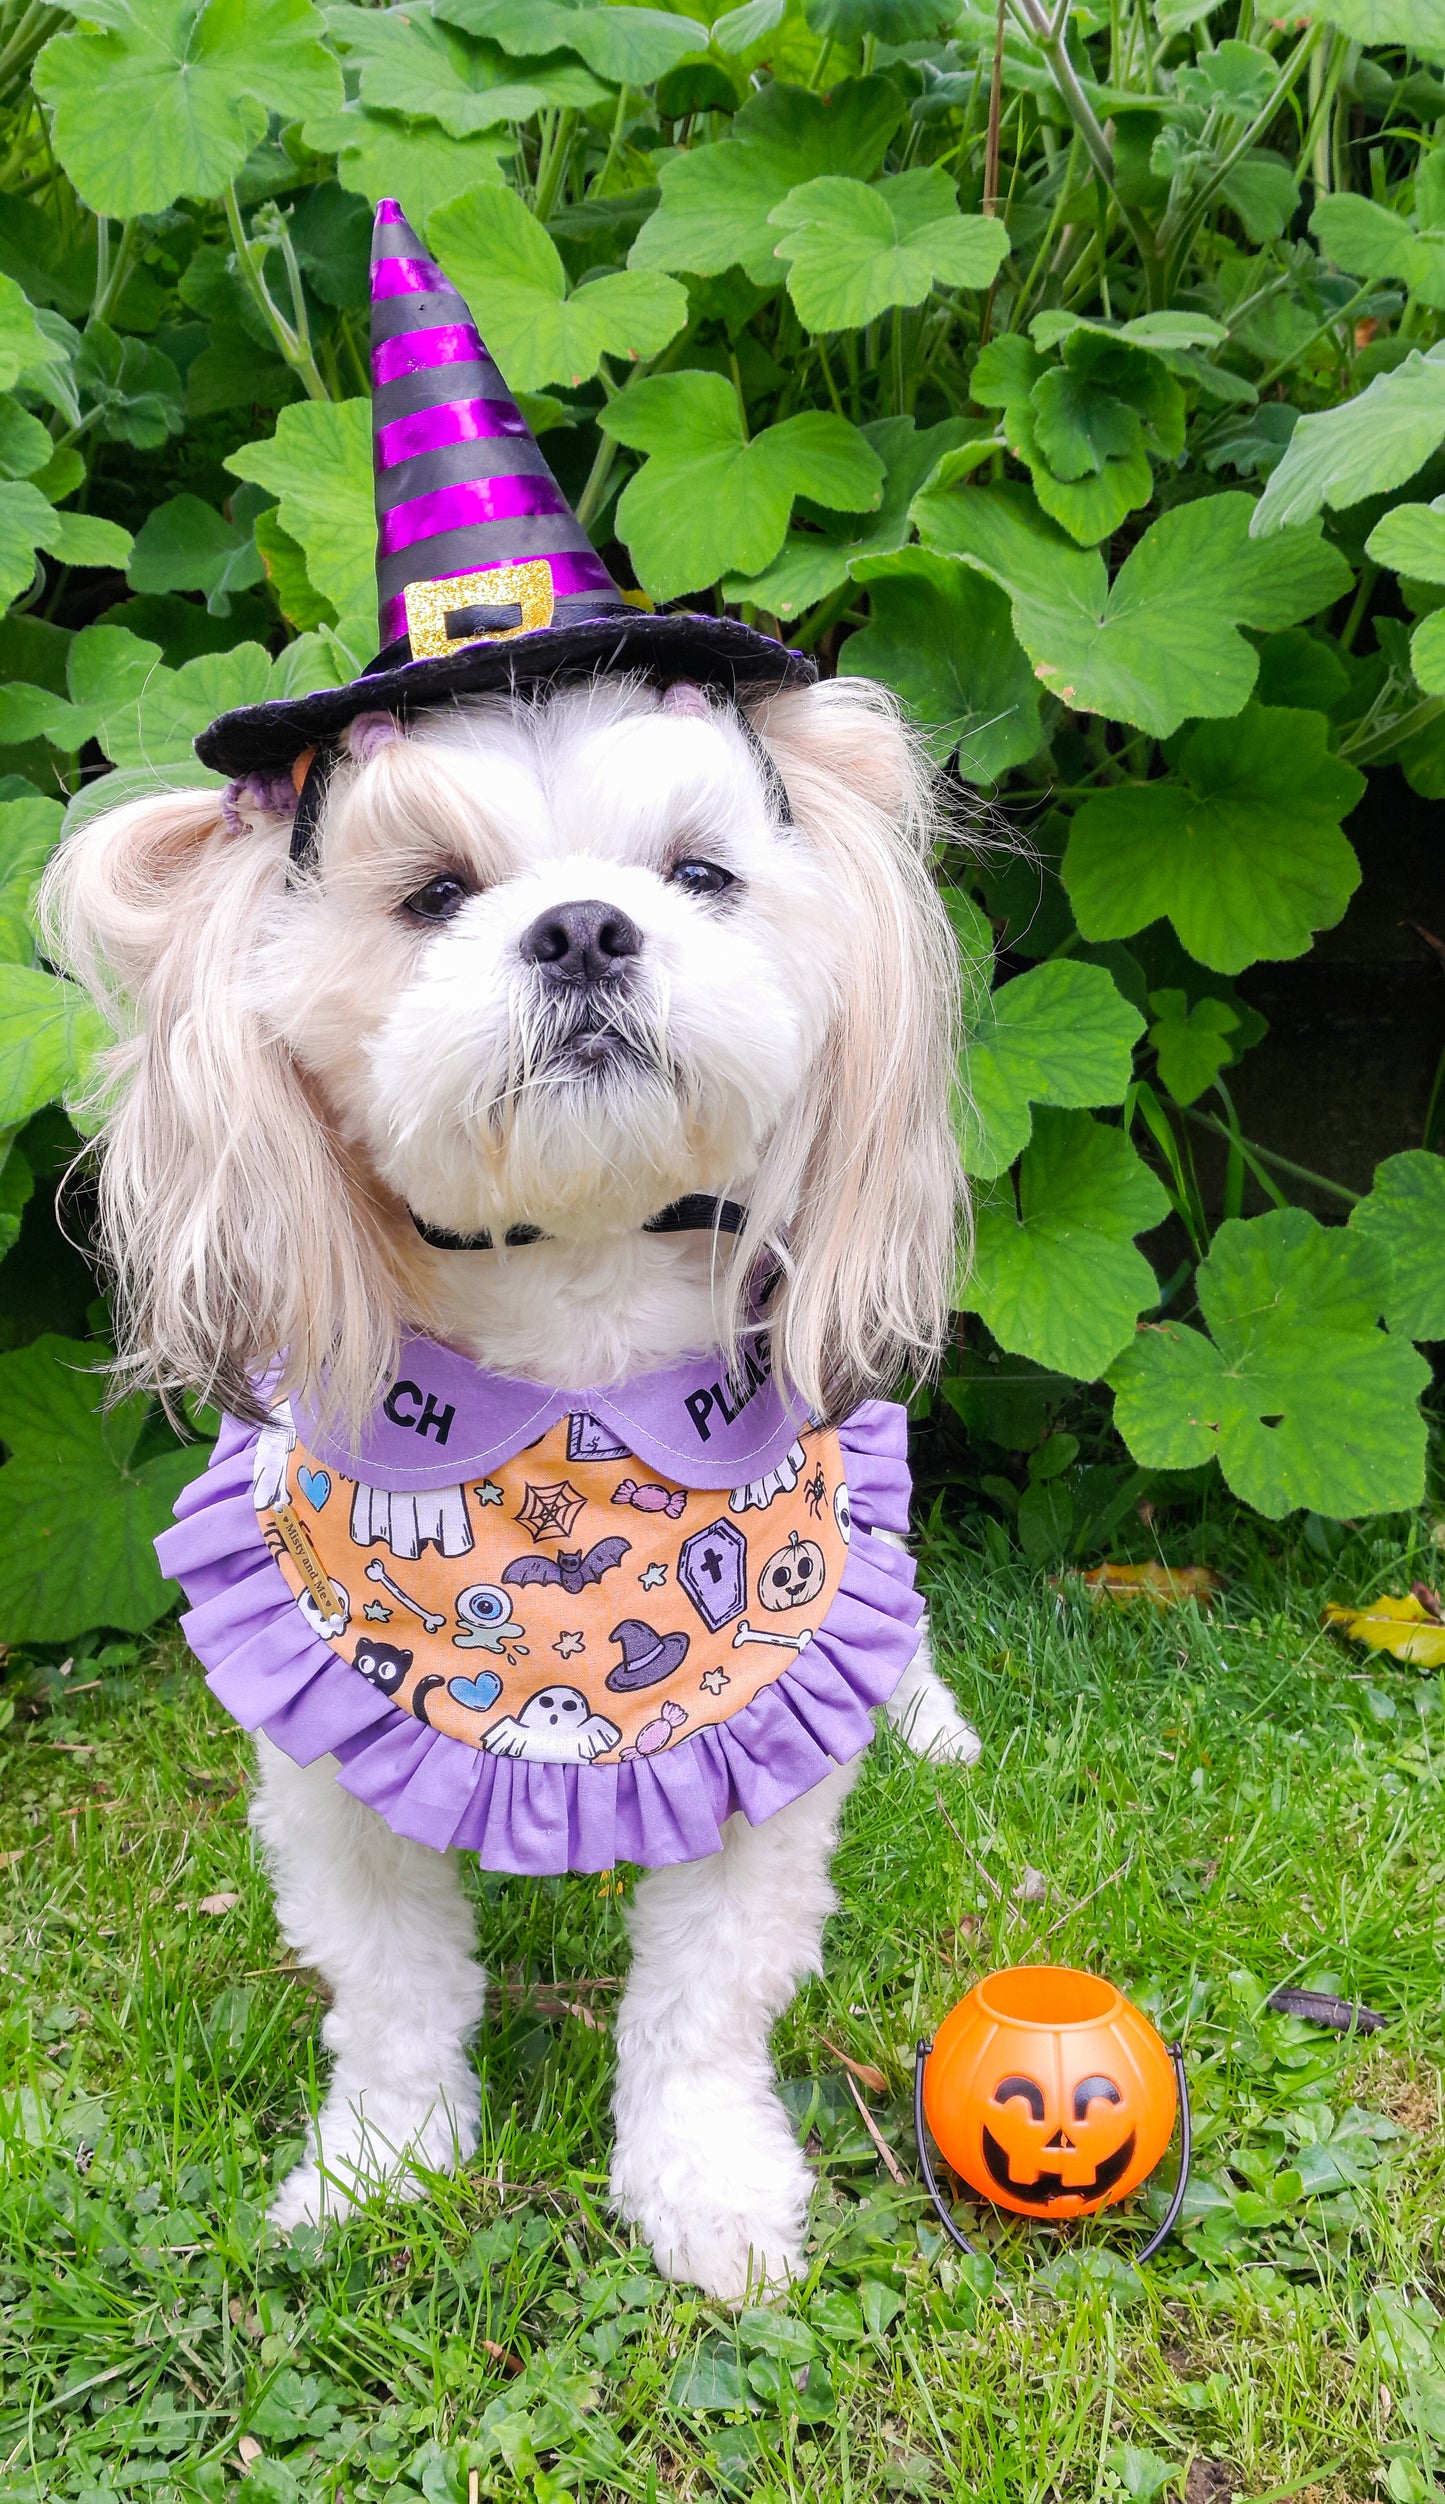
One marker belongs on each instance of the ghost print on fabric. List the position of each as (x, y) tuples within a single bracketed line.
[(573, 1607)]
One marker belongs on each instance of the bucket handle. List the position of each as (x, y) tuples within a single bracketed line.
[(955, 2232)]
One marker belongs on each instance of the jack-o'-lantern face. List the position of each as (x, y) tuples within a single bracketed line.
[(793, 1575), (1048, 2093), (1039, 2155)]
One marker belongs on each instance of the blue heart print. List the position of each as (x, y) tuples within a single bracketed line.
[(477, 1694), (315, 1485)]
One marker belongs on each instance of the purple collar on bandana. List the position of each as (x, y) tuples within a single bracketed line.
[(445, 1418)]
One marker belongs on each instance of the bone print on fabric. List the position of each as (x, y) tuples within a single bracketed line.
[(471, 1593)]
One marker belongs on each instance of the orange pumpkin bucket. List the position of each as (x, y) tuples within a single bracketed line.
[(1051, 2096)]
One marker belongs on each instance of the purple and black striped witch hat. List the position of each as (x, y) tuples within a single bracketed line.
[(485, 577)]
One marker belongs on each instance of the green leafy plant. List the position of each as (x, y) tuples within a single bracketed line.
[(1079, 375)]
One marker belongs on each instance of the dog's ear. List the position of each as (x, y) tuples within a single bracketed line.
[(862, 1188), (228, 1221)]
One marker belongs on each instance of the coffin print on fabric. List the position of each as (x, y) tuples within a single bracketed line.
[(528, 1567)]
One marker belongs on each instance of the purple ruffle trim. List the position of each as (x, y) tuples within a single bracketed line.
[(273, 1674)]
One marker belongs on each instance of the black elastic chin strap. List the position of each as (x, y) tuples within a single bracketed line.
[(773, 783), (310, 801), (695, 1213)]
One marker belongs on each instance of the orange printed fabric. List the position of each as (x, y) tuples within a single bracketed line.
[(574, 1608)]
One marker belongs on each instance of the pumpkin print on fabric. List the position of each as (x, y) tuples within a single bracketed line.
[(1049, 2093), (572, 1607)]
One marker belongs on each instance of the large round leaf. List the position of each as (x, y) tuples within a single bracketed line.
[(1301, 1398), (1061, 1281), (1241, 849), (161, 102)]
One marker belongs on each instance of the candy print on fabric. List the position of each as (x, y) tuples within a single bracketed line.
[(445, 1578), (649, 1499), (712, 1568), (654, 1736)]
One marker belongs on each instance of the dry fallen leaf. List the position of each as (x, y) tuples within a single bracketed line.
[(864, 2071), (249, 2449), (218, 1903), (1408, 1628), (1163, 1585), (1032, 1888)]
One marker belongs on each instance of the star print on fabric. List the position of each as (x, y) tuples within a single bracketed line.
[(654, 1578), (570, 1645), (550, 1512), (378, 1613), (488, 1492), (714, 1680)]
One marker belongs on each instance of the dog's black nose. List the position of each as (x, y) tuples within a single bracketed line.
[(582, 942)]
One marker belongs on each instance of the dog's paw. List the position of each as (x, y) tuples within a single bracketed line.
[(720, 2189), (371, 2150)]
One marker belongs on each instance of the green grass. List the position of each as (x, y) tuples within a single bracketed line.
[(1276, 1802)]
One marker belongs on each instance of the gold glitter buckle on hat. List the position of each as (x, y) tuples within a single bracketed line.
[(486, 607)]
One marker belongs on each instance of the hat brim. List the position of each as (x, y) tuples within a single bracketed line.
[(709, 651)]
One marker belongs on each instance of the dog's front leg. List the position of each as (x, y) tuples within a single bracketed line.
[(706, 2161), (924, 1714), (385, 1923)]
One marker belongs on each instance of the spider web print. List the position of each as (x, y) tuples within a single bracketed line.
[(549, 1512)]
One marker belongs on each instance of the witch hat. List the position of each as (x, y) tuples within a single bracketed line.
[(647, 1656), (485, 577)]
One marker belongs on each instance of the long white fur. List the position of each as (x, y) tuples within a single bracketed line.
[(298, 1066)]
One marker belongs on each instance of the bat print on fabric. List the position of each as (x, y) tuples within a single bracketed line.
[(569, 1566)]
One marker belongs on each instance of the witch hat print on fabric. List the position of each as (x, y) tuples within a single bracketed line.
[(486, 580)]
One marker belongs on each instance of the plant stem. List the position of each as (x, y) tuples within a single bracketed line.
[(595, 189), (590, 500), (554, 162), (1045, 248), (1178, 226), (1269, 1156), (292, 340), (995, 100), (1369, 746)]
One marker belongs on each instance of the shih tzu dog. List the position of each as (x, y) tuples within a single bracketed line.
[(557, 965), (537, 1140)]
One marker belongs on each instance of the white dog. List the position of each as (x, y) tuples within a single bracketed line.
[(304, 1069)]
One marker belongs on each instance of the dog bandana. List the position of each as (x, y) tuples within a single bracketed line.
[(557, 1629), (572, 1605)]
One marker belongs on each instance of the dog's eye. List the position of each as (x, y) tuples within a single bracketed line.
[(439, 899), (701, 878)]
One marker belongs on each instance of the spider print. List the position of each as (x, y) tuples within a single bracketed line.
[(816, 1492)]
